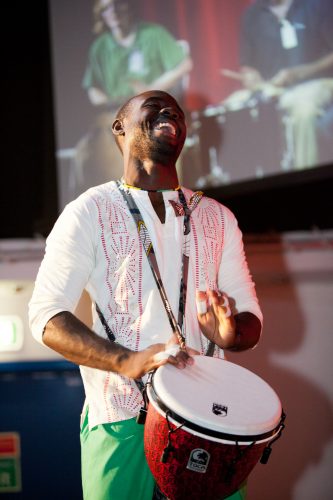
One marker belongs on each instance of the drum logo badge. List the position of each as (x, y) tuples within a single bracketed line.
[(198, 461), (220, 410)]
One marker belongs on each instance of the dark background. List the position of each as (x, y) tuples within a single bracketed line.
[(29, 206)]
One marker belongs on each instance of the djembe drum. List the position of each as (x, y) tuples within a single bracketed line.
[(207, 426)]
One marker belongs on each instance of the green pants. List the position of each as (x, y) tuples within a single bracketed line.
[(114, 466)]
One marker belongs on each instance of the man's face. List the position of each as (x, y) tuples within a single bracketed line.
[(115, 13), (155, 127)]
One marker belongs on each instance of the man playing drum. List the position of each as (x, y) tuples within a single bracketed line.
[(194, 253)]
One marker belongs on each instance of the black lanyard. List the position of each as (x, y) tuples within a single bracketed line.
[(149, 250)]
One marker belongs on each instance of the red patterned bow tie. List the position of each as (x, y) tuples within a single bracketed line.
[(191, 205)]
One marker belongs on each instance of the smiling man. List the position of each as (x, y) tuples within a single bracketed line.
[(166, 272)]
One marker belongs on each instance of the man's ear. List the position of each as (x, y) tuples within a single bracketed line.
[(117, 127)]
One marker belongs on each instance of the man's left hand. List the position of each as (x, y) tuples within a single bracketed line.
[(215, 318)]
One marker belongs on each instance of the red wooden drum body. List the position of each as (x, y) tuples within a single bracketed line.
[(211, 421)]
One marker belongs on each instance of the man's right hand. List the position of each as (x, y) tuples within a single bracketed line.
[(141, 362)]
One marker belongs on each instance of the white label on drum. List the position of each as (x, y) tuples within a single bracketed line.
[(198, 461), (220, 410)]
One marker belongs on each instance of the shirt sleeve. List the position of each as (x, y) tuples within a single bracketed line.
[(234, 277), (172, 52), (66, 266)]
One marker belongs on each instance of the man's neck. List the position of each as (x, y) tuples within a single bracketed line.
[(124, 39), (151, 177), (280, 8)]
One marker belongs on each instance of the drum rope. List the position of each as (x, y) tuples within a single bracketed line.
[(142, 415), (268, 450), (169, 447), (231, 468)]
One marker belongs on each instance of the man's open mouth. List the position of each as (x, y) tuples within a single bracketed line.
[(166, 127)]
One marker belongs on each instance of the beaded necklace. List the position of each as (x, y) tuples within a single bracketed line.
[(149, 190)]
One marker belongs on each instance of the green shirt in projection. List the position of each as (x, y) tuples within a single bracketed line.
[(112, 67)]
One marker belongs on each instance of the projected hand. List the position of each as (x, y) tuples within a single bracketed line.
[(290, 76), (251, 78)]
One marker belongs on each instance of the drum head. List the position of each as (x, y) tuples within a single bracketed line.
[(218, 395)]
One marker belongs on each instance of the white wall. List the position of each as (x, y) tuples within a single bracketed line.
[(19, 264), (295, 286)]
